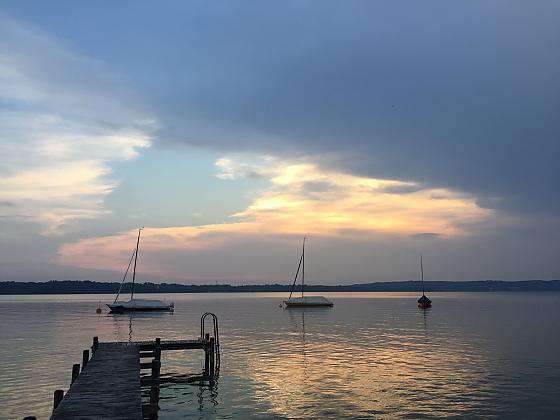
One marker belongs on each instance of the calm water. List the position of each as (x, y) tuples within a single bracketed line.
[(373, 355)]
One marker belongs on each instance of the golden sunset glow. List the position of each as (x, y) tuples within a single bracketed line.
[(305, 199), (372, 376), (302, 199)]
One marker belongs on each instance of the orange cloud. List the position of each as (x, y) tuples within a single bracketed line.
[(302, 199), (305, 199)]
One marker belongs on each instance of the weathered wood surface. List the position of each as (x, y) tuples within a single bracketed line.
[(175, 344), (108, 387)]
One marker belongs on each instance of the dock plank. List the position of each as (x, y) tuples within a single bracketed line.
[(108, 387), (175, 344)]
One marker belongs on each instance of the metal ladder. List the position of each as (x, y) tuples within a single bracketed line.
[(216, 336)]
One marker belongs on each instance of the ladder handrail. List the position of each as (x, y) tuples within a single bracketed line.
[(216, 336)]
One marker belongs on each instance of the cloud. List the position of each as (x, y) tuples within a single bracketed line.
[(404, 189), (341, 206), (372, 90), (426, 235), (64, 119), (244, 166), (407, 93)]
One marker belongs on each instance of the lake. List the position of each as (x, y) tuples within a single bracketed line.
[(373, 355)]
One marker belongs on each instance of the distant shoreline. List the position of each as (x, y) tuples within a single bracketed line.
[(56, 287)]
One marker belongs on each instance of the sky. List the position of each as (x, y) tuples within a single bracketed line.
[(381, 130)]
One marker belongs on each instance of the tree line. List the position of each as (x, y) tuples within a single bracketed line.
[(93, 287)]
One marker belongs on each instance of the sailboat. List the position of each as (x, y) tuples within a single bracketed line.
[(137, 304), (423, 302), (304, 301)]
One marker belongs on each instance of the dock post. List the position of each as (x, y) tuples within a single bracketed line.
[(206, 362), (154, 400), (154, 396), (75, 372), (95, 345), (212, 357), (58, 396), (206, 356), (85, 359), (157, 349), (154, 390), (156, 366)]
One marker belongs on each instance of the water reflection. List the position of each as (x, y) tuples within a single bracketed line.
[(471, 356), (120, 321), (300, 328), (207, 392), (177, 390), (425, 314), (363, 371), (124, 323)]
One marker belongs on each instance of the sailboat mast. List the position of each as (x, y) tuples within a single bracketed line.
[(422, 271), (295, 278), (135, 259), (303, 266), (124, 277)]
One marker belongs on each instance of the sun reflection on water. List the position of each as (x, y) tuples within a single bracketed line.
[(372, 356), (364, 373)]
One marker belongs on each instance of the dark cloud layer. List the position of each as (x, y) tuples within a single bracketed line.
[(462, 94)]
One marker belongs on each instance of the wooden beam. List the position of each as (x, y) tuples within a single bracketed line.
[(58, 396), (75, 372), (85, 359)]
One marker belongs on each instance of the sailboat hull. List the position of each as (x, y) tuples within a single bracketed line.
[(120, 309), (307, 301), (140, 305), (424, 302)]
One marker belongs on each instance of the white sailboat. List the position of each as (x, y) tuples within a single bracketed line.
[(137, 304), (304, 301)]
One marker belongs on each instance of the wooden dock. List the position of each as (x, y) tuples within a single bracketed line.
[(110, 385), (107, 388)]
